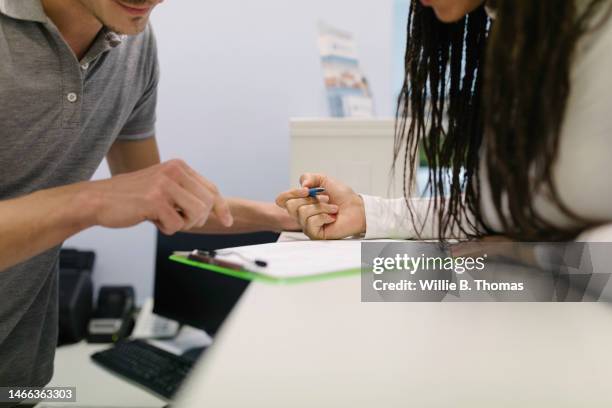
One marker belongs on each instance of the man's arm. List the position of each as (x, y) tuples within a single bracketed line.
[(249, 216), (170, 195), (32, 224), (129, 156)]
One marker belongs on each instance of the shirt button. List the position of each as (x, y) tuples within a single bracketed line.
[(72, 97), (85, 66)]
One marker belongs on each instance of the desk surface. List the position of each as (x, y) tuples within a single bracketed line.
[(317, 345), (96, 387)]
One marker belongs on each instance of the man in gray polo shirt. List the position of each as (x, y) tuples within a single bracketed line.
[(78, 82)]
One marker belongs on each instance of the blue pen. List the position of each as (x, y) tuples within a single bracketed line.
[(314, 192)]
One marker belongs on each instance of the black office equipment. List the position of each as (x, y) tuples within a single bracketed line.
[(158, 370), (113, 318), (200, 299), (75, 294), (206, 297), (75, 259)]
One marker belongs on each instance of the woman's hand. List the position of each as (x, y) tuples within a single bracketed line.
[(337, 214)]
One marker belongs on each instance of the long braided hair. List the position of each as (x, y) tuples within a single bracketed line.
[(488, 90)]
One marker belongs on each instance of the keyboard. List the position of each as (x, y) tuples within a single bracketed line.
[(155, 369)]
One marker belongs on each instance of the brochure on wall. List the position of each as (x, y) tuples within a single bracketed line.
[(348, 91)]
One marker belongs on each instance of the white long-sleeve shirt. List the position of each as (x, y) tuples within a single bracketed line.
[(582, 172), (390, 218)]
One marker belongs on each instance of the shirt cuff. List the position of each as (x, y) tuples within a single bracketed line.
[(127, 135), (376, 214)]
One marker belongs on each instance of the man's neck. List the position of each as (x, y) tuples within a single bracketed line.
[(78, 26)]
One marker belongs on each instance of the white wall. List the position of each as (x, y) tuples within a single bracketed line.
[(233, 73)]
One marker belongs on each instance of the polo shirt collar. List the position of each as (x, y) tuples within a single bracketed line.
[(29, 10), (105, 41), (112, 38), (32, 10)]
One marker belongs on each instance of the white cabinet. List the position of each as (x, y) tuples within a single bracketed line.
[(358, 152)]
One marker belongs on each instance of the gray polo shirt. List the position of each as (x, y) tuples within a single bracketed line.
[(58, 118)]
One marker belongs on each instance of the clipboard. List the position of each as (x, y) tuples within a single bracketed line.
[(334, 260)]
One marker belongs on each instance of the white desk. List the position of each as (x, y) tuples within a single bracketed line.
[(96, 387), (317, 345)]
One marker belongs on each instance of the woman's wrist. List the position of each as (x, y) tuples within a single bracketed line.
[(362, 226)]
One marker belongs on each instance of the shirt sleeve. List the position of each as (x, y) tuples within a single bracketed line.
[(390, 218), (141, 123)]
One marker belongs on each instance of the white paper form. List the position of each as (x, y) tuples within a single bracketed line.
[(297, 258)]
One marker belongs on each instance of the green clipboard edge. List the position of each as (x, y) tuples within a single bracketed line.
[(258, 277)]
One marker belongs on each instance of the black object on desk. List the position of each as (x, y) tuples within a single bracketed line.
[(157, 370), (206, 298), (75, 294), (113, 318)]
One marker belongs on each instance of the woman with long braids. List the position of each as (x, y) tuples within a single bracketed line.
[(511, 103)]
